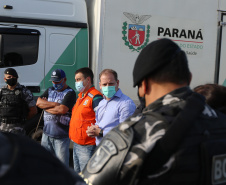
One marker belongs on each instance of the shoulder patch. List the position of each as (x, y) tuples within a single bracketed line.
[(90, 95), (101, 156)]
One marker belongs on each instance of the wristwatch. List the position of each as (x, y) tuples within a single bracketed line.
[(101, 133)]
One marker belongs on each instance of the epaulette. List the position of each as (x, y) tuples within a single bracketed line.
[(90, 95)]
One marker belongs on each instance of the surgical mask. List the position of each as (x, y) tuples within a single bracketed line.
[(11, 81), (58, 86), (109, 91), (79, 86)]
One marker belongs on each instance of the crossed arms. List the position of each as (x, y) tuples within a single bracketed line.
[(51, 107)]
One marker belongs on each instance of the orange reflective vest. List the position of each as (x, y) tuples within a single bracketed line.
[(82, 117)]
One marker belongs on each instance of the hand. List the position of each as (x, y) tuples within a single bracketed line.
[(89, 131), (93, 130)]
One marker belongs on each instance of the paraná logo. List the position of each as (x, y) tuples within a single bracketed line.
[(134, 34)]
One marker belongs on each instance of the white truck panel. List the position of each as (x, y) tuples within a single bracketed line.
[(199, 16), (222, 5), (67, 10)]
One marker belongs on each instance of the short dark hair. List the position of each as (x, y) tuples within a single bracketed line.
[(176, 71), (106, 71), (215, 95), (87, 72)]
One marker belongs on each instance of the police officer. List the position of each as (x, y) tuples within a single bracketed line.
[(177, 139), (16, 104)]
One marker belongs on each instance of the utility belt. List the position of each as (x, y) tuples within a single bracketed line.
[(12, 120)]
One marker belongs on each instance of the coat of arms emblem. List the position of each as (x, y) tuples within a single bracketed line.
[(137, 38)]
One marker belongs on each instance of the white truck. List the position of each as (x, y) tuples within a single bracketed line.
[(38, 36)]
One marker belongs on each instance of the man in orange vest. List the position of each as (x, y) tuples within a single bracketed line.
[(83, 116)]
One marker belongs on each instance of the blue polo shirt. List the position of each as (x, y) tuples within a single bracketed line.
[(110, 113)]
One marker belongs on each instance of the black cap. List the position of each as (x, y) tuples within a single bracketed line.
[(57, 75), (154, 56), (11, 71)]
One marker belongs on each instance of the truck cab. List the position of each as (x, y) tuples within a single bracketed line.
[(42, 36)]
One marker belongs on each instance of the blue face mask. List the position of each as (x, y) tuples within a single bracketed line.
[(58, 86), (79, 86), (109, 91)]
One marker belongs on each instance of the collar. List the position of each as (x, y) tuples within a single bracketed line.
[(17, 86), (175, 95), (82, 95)]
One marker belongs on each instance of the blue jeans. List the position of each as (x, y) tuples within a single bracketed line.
[(59, 147), (81, 155)]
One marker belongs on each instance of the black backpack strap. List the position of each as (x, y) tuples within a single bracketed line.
[(176, 132), (194, 106)]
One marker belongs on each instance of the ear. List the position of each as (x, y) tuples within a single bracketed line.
[(89, 79), (100, 85), (117, 82), (143, 88), (148, 85)]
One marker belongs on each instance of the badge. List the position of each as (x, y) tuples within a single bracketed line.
[(85, 103), (17, 92), (101, 156)]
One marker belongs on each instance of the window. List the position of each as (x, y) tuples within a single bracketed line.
[(18, 47), (58, 43)]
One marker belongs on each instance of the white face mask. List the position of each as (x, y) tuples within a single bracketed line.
[(79, 86)]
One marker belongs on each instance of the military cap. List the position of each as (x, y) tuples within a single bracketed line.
[(153, 57), (11, 71)]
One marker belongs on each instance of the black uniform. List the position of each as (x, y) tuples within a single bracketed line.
[(144, 150), (14, 107)]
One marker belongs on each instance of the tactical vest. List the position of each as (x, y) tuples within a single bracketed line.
[(57, 125), (195, 142), (12, 104)]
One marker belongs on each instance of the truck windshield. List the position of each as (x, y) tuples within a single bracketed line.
[(18, 47)]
